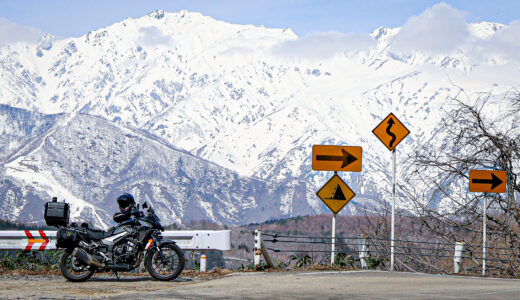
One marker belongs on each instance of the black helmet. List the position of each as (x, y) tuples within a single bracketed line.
[(125, 201)]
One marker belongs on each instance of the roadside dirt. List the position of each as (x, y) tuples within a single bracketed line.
[(29, 285)]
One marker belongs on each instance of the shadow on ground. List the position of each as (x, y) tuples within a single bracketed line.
[(105, 278)]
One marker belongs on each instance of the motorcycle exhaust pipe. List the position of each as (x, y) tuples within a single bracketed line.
[(86, 258)]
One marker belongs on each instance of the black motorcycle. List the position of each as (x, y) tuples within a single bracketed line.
[(120, 248)]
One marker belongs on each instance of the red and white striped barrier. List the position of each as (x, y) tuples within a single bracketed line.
[(198, 240), (43, 240), (27, 240)]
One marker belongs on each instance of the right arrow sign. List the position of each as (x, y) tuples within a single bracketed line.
[(486, 181), (336, 158)]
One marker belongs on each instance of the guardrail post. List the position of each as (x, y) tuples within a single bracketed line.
[(203, 265), (458, 257), (363, 250), (257, 248)]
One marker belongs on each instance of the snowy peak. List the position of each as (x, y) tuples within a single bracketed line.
[(158, 14), (484, 30), (46, 42), (183, 30), (383, 34), (481, 30)]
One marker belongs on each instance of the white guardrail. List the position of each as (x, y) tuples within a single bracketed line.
[(196, 240)]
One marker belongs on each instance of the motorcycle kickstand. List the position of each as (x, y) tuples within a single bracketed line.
[(117, 275)]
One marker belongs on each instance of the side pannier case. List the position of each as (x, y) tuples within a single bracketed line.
[(66, 238), (56, 213)]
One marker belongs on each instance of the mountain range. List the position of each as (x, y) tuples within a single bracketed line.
[(210, 120)]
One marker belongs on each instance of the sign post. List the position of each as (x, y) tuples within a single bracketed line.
[(392, 245), (486, 181), (335, 194), (333, 245), (484, 234), (391, 132)]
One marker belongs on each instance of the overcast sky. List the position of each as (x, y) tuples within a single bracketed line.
[(66, 18)]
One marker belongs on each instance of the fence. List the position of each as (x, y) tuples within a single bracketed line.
[(195, 240), (430, 256)]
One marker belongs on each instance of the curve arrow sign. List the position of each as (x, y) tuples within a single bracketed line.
[(391, 131)]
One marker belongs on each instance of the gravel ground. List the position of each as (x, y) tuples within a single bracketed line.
[(101, 285)]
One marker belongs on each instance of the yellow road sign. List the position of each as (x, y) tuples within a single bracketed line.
[(336, 158), (487, 181), (391, 131), (335, 194)]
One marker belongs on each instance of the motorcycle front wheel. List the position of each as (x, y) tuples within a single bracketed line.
[(165, 264), (73, 269)]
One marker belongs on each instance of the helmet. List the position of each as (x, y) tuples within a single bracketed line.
[(126, 202)]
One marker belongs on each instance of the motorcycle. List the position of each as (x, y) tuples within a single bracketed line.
[(120, 248)]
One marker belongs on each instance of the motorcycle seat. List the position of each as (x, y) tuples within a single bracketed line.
[(96, 234)]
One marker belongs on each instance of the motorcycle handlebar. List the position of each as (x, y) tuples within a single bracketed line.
[(136, 212)]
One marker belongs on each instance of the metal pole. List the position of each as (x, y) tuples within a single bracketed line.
[(392, 248), (333, 245), (484, 217)]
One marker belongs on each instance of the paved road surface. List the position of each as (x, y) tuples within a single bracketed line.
[(274, 285)]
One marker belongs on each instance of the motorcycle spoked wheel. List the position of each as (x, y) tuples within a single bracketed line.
[(73, 269), (167, 267)]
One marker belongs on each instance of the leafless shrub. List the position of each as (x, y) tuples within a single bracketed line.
[(483, 134)]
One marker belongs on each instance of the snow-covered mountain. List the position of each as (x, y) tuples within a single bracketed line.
[(88, 161), (242, 97)]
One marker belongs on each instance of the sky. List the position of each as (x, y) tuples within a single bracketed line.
[(324, 28), (66, 18)]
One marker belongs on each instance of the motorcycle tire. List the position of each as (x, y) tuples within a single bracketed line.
[(73, 269), (160, 269)]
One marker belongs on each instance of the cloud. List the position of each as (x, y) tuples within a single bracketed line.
[(438, 30), (324, 45), (11, 33), (504, 44), (153, 36)]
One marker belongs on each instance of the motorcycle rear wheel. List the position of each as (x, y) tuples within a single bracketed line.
[(73, 269), (169, 268)]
